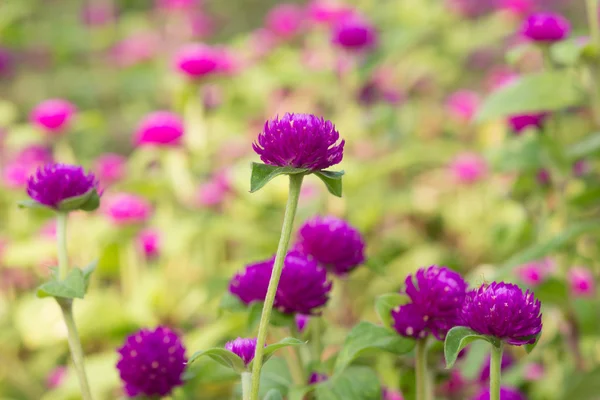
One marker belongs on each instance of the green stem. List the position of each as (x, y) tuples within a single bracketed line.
[(592, 14), (495, 368), (66, 306), (284, 241), (299, 362), (317, 343), (246, 385), (421, 370)]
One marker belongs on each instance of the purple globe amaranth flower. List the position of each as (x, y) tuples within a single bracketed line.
[(354, 33), (57, 185), (581, 282), (436, 294), (317, 377), (506, 393), (546, 27), (148, 241), (519, 123), (252, 283), (303, 287), (299, 141), (243, 348), (160, 128), (197, 61), (53, 115), (507, 362), (285, 20), (504, 311), (152, 362), (110, 168), (333, 243)]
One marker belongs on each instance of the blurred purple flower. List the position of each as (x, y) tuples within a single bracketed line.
[(517, 7), (126, 208), (252, 283), (543, 176), (463, 104), (469, 168), (56, 377), (160, 128), (354, 33), (546, 27), (506, 393), (285, 20), (535, 272), (149, 242), (436, 294), (244, 348), (581, 168), (135, 49), (533, 372), (53, 116), (301, 321), (455, 384), (389, 394), (299, 141), (198, 61), (151, 362), (581, 282), (507, 362), (317, 377), (502, 310), (332, 242), (110, 168), (518, 123)]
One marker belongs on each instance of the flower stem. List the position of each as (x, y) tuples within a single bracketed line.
[(66, 306), (592, 14), (246, 385), (421, 370), (284, 241), (495, 367), (317, 343)]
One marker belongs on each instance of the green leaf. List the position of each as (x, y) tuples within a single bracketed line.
[(355, 383), (92, 203), (223, 357), (458, 338), (88, 271), (332, 180), (263, 173), (522, 153), (287, 342), (582, 386), (386, 303), (586, 147), (273, 394), (232, 303), (366, 337), (552, 291), (567, 52), (546, 91), (72, 287), (29, 203), (529, 347), (76, 202)]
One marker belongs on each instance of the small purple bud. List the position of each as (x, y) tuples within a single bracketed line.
[(546, 27), (301, 322), (244, 348), (519, 123), (505, 394), (317, 377)]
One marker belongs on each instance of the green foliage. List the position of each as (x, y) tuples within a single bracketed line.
[(263, 173), (223, 357), (354, 383), (73, 286), (332, 180), (460, 337)]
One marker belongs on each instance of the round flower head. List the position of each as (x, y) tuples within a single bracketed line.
[(546, 27), (535, 272), (198, 61), (110, 168), (303, 287), (160, 128), (244, 348), (56, 377), (581, 281), (354, 33), (149, 243), (389, 394), (252, 283), (317, 377), (502, 310), (506, 393), (463, 104), (53, 115), (436, 294), (125, 208), (518, 123), (53, 184), (301, 322), (285, 20), (152, 362), (333, 243), (468, 168), (299, 141), (543, 176), (507, 362)]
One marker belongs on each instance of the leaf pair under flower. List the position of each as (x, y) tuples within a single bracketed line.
[(263, 173), (74, 285)]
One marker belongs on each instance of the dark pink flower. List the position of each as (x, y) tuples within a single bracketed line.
[(53, 115), (354, 33), (546, 27), (149, 242), (197, 61), (160, 128), (469, 168), (243, 348), (285, 20), (328, 12), (126, 208), (581, 282), (519, 123)]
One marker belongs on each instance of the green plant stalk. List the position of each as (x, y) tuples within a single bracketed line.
[(246, 385), (317, 343), (495, 368), (592, 14), (66, 306), (421, 370), (300, 372), (284, 241)]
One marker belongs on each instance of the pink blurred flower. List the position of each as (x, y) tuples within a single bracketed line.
[(53, 115), (533, 372), (200, 61), (213, 192), (389, 394), (135, 49), (56, 377), (469, 168), (546, 27), (110, 168), (34, 154), (149, 242), (517, 7), (301, 321), (15, 174), (354, 33), (535, 272), (262, 42), (543, 176), (455, 384), (500, 77), (519, 123), (201, 24), (581, 168), (48, 231), (126, 208), (463, 104), (327, 11), (285, 20), (97, 14), (581, 282), (160, 128), (183, 5)]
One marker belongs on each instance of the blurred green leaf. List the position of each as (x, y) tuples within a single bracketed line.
[(286, 342), (354, 383), (263, 173), (29, 203), (332, 180), (87, 273), (460, 337), (81, 202), (553, 291), (567, 52), (232, 303), (586, 147), (386, 303), (223, 357), (523, 153), (273, 394), (529, 347), (73, 286), (582, 386)]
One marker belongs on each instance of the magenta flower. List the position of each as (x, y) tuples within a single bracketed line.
[(389, 394), (517, 7), (125, 209), (110, 168), (581, 282), (243, 348), (317, 377), (148, 241), (507, 362), (506, 393), (214, 192), (53, 115), (519, 123), (53, 184), (469, 168), (160, 128), (502, 310), (252, 283), (16, 172), (197, 61), (546, 27), (463, 104), (580, 168), (299, 141), (354, 33), (436, 294), (535, 272), (135, 49), (151, 362), (332, 242), (543, 176), (285, 20), (56, 377), (301, 321), (15, 175), (328, 12)]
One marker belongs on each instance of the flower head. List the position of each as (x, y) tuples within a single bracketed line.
[(543, 176), (110, 168), (354, 33), (506, 393), (149, 242), (581, 281), (152, 362), (535, 272), (519, 123), (199, 61), (502, 310), (252, 283), (317, 377), (56, 377), (546, 27), (469, 168), (463, 104), (126, 208), (436, 295), (328, 11), (389, 394), (244, 348), (301, 321), (285, 20), (160, 128), (299, 141), (333, 243), (53, 115), (53, 184)]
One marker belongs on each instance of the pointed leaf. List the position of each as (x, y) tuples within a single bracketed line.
[(273, 394), (355, 383), (587, 146), (76, 202), (332, 180), (72, 287), (232, 303), (29, 203), (287, 342), (458, 338), (386, 303), (92, 203), (529, 347), (88, 271), (366, 337), (263, 173), (223, 357)]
